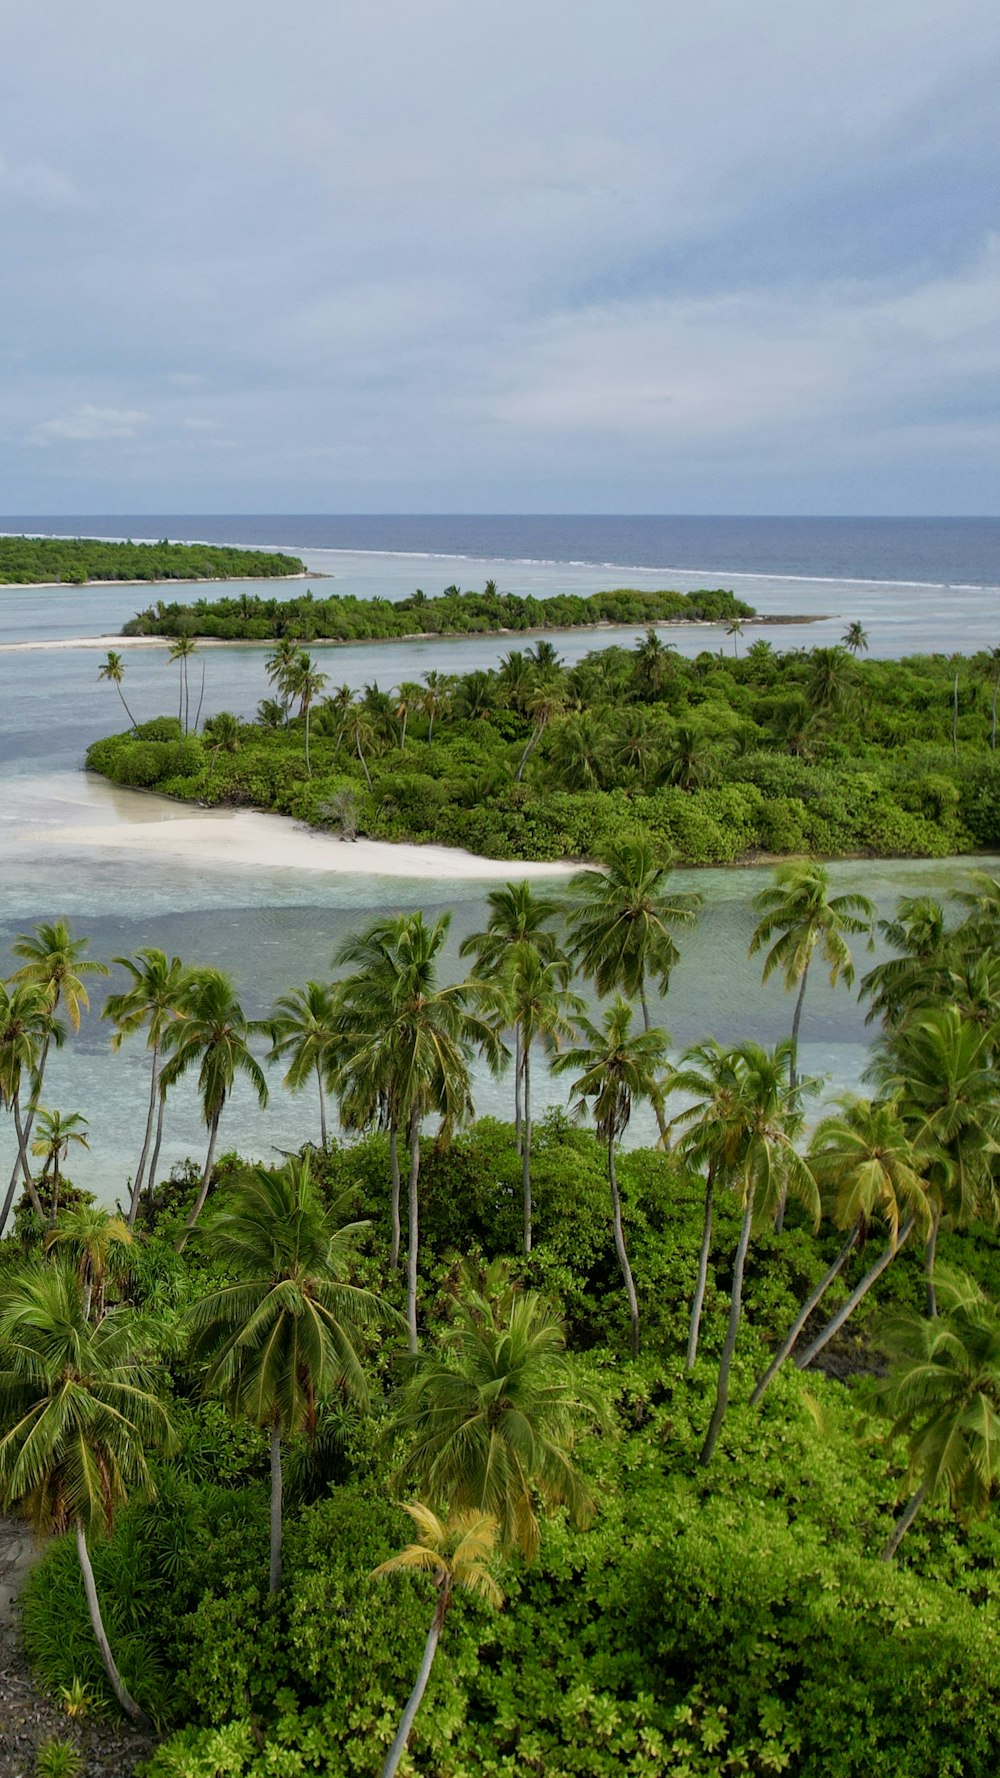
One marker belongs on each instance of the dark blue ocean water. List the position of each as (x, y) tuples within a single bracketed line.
[(941, 552)]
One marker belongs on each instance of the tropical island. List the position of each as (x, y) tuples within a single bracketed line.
[(719, 759), (76, 561), (344, 618), (446, 1446)]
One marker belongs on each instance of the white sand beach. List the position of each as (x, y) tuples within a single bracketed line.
[(248, 837)]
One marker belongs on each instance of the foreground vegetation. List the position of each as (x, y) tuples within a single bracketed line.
[(73, 561), (344, 618), (623, 1554), (719, 758)]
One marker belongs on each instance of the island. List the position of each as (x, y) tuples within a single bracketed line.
[(79, 561)]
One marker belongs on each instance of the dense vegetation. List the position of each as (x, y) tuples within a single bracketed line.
[(27, 561), (344, 618), (224, 1391), (719, 758)]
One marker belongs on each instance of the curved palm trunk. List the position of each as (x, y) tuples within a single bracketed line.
[(33, 1104), (805, 1358), (155, 1160), (364, 767), (322, 1106), (124, 1697), (930, 1260), (275, 1505), (29, 1183), (620, 1248), (904, 1522), (206, 1180), (533, 740), (526, 1148), (128, 712), (413, 1231), (394, 1164), (398, 1747), (763, 1383), (661, 1122), (729, 1346), (140, 1171), (699, 1289)]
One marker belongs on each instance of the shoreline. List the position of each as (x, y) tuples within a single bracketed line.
[(82, 586)]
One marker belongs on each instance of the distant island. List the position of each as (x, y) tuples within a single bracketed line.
[(343, 618), (75, 561)]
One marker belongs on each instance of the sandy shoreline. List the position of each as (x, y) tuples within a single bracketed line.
[(260, 841)]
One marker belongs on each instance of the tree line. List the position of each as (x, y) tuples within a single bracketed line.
[(73, 561)]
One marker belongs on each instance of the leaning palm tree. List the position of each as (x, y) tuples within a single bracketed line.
[(617, 1068), (867, 1169), (81, 1417), (708, 1145), (282, 1337), (492, 1414), (113, 669), (27, 1027), (56, 1132), (456, 1552), (305, 1033), (152, 1003), (943, 1391), (95, 1241), (517, 916), (543, 1011), (212, 1034)]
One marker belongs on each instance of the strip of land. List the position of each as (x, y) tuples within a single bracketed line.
[(96, 561)]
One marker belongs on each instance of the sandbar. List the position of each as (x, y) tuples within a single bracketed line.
[(251, 838)]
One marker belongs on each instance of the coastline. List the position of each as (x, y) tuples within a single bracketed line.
[(82, 586)]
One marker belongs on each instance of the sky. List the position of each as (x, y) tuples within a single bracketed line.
[(550, 256)]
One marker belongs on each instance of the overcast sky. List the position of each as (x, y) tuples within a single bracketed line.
[(549, 255)]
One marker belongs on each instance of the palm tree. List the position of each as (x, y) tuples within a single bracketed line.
[(800, 915), (409, 1043), (408, 698), (284, 1335), (92, 1238), (866, 1167), (52, 1144), (181, 650), (82, 1419), (212, 1032), (537, 1001), (734, 628), (748, 1118), (919, 932), (26, 1027), (709, 1074), (652, 658), (545, 703), (577, 750), (855, 638), (831, 680), (517, 916), (491, 1415), (280, 669), (456, 1551), (152, 1003), (691, 762), (360, 735), (618, 1067), (305, 683), (304, 1030), (437, 691), (113, 670), (944, 1393)]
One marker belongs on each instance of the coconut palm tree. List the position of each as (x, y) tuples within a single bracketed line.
[(491, 1415), (360, 736), (708, 1145), (734, 628), (456, 1551), (306, 684), (617, 1069), (943, 1391), (690, 760), (543, 1010), (517, 916), (27, 1027), (212, 1034), (81, 1418), (113, 670), (55, 1135), (920, 933), (855, 638), (867, 1170), (181, 650), (408, 699), (545, 703), (305, 1032), (284, 1335), (653, 663), (91, 1238), (280, 668), (749, 1118), (152, 1002), (435, 699)]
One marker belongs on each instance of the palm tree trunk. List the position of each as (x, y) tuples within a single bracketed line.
[(275, 1504), (930, 1260), (533, 739), (398, 1747), (128, 712), (805, 1358), (201, 700), (150, 1115), (763, 1383), (154, 1162), (793, 1079), (394, 1164), (729, 1345), (413, 1231), (699, 1289), (308, 766), (904, 1522), (36, 1202), (33, 1104), (993, 715), (526, 1148), (518, 1060), (124, 1697), (187, 699), (322, 1106), (364, 767), (620, 1248), (54, 1212), (180, 697), (206, 1179), (661, 1122)]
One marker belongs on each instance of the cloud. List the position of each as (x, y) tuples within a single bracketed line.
[(90, 425), (34, 183)]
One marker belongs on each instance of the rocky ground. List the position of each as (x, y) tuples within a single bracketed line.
[(108, 1747)]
